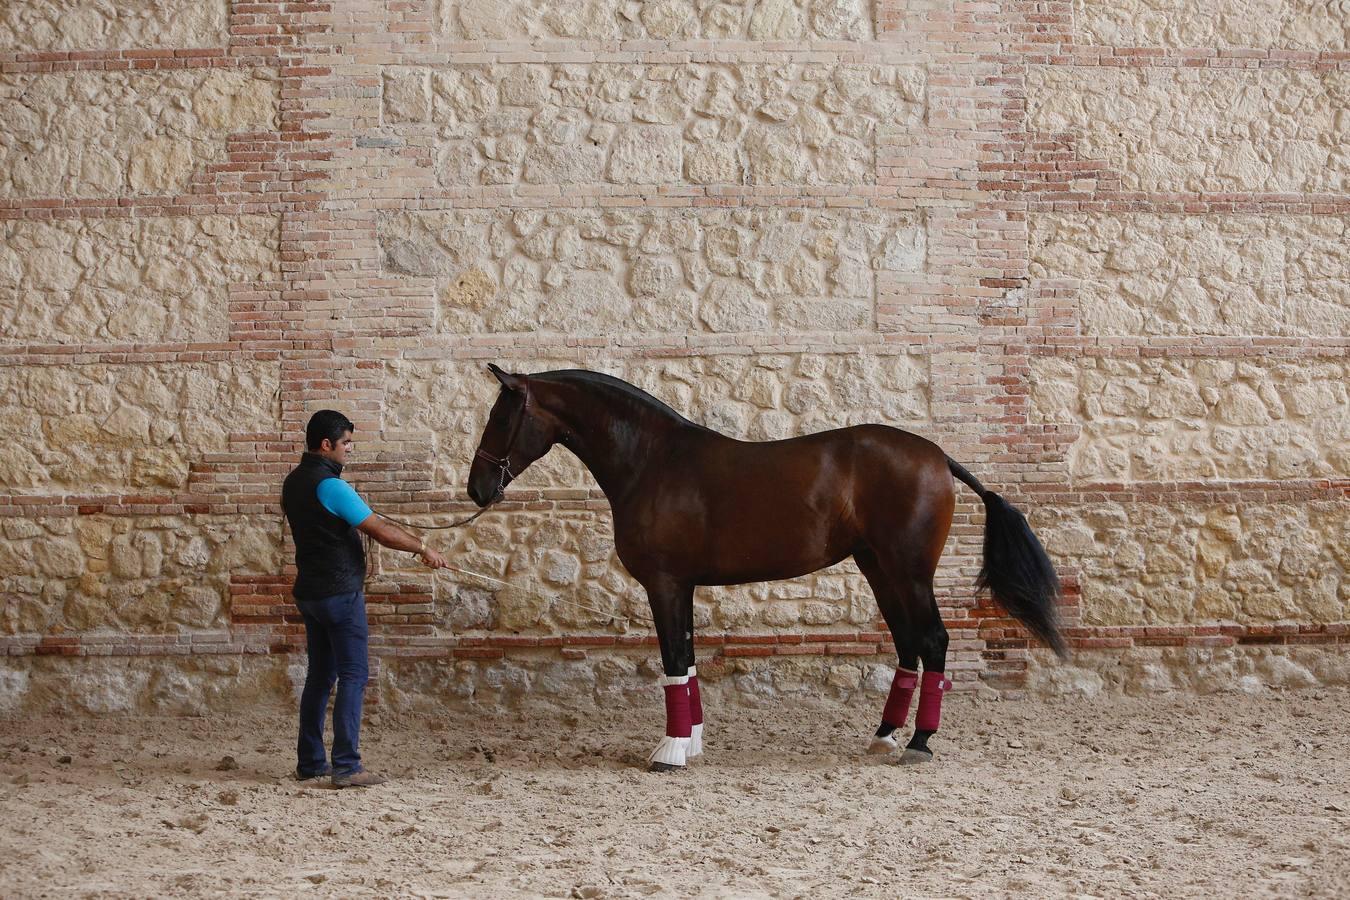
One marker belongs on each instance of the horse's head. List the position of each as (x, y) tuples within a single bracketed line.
[(517, 433)]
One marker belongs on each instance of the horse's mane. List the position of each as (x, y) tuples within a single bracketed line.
[(615, 388)]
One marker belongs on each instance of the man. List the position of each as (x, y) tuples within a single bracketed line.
[(325, 515)]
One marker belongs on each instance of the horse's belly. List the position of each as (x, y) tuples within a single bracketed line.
[(769, 571), (736, 530), (771, 552)]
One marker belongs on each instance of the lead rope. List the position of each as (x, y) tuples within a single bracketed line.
[(501, 490), (458, 524)]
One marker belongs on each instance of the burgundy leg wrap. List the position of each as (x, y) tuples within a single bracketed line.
[(935, 684), (695, 702), (678, 723), (896, 710)]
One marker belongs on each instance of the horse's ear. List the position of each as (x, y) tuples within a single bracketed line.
[(509, 381)]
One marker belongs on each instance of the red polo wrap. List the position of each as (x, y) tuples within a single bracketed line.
[(678, 724), (695, 702), (896, 710), (935, 684)]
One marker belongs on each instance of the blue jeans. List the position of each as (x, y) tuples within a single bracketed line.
[(336, 634)]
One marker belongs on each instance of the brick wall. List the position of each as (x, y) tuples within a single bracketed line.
[(1094, 250)]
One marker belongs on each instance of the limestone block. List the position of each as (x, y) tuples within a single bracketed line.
[(1210, 275), (1148, 563), (1284, 24), (170, 685), (759, 20), (91, 428), (146, 575), (1196, 419), (105, 134), (33, 25), (14, 685), (789, 123), (607, 271), (808, 680), (1192, 129), (644, 154), (1200, 670), (467, 609), (407, 96), (731, 306), (138, 280)]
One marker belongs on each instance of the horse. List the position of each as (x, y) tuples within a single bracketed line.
[(695, 507)]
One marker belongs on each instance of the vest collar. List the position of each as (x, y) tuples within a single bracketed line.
[(322, 462)]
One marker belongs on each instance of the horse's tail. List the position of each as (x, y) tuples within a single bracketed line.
[(1016, 569)]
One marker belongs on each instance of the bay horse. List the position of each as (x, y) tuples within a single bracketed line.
[(694, 507)]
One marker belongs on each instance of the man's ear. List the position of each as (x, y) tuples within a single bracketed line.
[(509, 381)]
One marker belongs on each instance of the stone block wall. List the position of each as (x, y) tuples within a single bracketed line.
[(1096, 251)]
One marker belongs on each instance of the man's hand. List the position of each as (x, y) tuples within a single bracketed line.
[(395, 538)]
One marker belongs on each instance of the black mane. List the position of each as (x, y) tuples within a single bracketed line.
[(610, 385)]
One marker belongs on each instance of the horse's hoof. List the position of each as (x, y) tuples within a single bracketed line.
[(664, 767), (672, 753), (882, 745), (912, 757)]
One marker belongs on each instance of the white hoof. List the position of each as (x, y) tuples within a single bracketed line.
[(885, 744), (671, 753), (696, 741)]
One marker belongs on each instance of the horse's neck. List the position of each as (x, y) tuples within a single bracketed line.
[(614, 438)]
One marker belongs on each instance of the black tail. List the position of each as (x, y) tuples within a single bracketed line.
[(1016, 569)]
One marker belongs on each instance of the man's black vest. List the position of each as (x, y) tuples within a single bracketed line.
[(329, 558)]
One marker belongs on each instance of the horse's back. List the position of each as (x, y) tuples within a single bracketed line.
[(825, 469)]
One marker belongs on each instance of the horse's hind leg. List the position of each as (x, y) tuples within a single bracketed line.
[(673, 612), (931, 637), (900, 569), (894, 609)]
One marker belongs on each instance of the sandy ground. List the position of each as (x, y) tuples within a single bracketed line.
[(1107, 797)]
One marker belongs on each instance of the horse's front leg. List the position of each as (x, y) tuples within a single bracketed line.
[(672, 607)]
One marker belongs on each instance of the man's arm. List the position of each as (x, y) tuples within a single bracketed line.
[(390, 535), (340, 499)]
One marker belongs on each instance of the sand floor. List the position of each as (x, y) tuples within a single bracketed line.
[(1109, 797)]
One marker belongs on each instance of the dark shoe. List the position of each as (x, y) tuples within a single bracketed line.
[(301, 776), (359, 778)]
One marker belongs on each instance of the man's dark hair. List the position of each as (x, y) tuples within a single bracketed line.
[(326, 423)]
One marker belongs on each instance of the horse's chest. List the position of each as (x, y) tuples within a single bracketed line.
[(656, 537)]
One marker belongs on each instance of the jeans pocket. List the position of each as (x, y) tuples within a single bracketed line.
[(347, 608)]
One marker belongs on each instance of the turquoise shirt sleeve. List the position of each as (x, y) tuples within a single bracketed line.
[(341, 499)]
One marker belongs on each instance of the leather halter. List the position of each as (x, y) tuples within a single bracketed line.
[(503, 462)]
